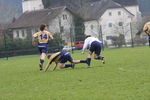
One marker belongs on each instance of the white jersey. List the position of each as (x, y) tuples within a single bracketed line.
[(88, 41)]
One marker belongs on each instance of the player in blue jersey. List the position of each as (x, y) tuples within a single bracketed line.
[(94, 45), (61, 58), (43, 37)]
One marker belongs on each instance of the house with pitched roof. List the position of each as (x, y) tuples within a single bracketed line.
[(130, 5), (105, 19), (59, 20)]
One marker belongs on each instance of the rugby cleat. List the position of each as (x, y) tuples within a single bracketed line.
[(88, 62), (103, 60)]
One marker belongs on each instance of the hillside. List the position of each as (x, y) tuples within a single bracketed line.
[(144, 6), (9, 9), (13, 8)]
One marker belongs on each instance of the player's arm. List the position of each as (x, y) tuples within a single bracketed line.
[(56, 63), (34, 38), (33, 41), (84, 46), (145, 29), (51, 36)]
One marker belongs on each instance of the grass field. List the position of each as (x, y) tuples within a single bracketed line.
[(125, 76)]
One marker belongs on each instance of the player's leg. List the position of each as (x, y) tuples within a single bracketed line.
[(64, 59), (63, 65), (89, 57), (43, 52), (79, 61), (41, 61), (42, 58), (98, 57), (90, 52), (97, 52), (70, 59)]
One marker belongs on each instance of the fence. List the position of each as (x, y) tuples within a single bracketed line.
[(15, 47)]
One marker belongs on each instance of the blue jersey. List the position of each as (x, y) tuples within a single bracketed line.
[(65, 56), (64, 53)]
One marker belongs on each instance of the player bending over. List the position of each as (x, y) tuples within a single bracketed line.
[(95, 46)]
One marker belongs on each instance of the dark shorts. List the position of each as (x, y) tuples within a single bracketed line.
[(43, 49), (95, 47), (66, 58)]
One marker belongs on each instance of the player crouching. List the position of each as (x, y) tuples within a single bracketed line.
[(95, 45), (61, 58)]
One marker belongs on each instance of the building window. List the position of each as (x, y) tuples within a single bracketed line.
[(120, 23), (119, 13), (17, 33), (110, 25), (92, 27), (61, 29), (108, 37), (110, 14), (23, 34), (64, 17)]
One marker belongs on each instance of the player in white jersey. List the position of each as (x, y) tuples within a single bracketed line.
[(94, 45)]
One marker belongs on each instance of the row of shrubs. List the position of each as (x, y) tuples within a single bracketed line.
[(15, 47), (119, 41)]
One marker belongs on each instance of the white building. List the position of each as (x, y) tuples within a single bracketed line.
[(59, 20), (30, 5), (106, 18), (132, 6)]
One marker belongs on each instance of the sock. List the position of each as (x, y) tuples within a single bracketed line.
[(41, 61), (89, 61), (68, 65), (98, 58), (83, 61)]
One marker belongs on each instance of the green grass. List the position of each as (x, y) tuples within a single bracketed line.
[(125, 76)]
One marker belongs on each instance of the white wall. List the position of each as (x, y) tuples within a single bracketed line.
[(115, 30), (18, 33), (32, 5), (134, 10), (91, 28), (67, 23), (54, 27)]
